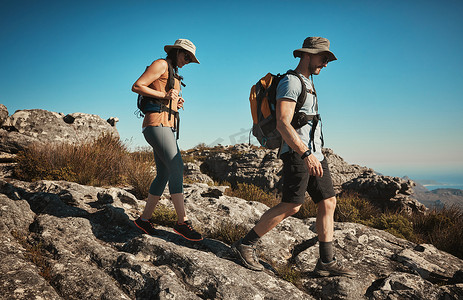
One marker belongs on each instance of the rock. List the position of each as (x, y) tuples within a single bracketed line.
[(3, 114), (192, 172), (389, 193), (242, 163), (90, 249), (25, 127)]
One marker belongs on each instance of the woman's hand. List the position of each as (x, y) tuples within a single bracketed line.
[(172, 95), (180, 103)]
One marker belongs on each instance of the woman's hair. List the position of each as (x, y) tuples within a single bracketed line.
[(172, 56)]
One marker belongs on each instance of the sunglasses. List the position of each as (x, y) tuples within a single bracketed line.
[(187, 57), (325, 59)]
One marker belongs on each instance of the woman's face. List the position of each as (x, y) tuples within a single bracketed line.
[(183, 58)]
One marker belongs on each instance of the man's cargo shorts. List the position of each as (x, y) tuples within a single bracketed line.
[(297, 180)]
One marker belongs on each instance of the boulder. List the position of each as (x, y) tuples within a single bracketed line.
[(389, 193), (25, 127)]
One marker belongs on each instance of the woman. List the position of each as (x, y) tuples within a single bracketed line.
[(159, 86)]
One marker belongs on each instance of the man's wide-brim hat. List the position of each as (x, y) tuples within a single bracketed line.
[(185, 45), (315, 45)]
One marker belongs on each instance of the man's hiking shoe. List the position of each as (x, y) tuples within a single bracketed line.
[(333, 268), (146, 226), (247, 254), (186, 230)]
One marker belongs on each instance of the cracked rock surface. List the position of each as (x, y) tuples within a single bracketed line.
[(62, 240)]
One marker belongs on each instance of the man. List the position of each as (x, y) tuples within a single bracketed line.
[(304, 166)]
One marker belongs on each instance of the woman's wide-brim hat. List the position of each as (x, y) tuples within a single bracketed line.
[(315, 45), (185, 45)]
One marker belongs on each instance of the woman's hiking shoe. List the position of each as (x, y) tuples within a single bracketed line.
[(333, 268), (186, 230), (247, 255), (146, 226)]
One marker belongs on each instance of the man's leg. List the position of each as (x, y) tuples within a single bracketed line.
[(327, 264), (274, 216), (245, 248), (322, 192), (325, 228)]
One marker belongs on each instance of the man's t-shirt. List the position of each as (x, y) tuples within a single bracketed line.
[(290, 87)]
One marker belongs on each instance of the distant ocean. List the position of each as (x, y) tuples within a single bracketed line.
[(442, 186)]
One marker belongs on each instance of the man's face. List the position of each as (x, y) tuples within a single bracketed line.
[(317, 63)]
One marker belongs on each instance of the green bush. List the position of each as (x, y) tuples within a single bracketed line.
[(164, 216), (396, 224), (352, 208)]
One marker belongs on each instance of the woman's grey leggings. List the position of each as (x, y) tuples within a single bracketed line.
[(169, 163)]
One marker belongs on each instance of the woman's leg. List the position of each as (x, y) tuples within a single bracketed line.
[(169, 165), (150, 205)]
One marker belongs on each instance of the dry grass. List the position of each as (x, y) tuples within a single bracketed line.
[(251, 192), (101, 162), (443, 228), (140, 172), (227, 232)]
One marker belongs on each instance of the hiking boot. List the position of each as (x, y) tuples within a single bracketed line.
[(333, 268), (146, 226), (186, 230), (247, 254)]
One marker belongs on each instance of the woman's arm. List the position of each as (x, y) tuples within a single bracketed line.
[(154, 71)]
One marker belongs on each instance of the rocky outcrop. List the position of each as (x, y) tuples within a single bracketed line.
[(3, 114), (25, 127), (261, 167), (389, 193), (62, 240)]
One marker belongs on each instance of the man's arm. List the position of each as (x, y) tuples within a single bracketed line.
[(284, 113)]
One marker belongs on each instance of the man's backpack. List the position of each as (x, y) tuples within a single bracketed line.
[(143, 100), (263, 109)]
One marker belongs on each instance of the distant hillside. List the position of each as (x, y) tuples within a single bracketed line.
[(438, 197)]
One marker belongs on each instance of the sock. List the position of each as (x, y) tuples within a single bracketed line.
[(251, 238), (326, 251)]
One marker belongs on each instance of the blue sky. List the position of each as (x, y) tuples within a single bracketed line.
[(392, 101)]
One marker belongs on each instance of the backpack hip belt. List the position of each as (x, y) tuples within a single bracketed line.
[(168, 109)]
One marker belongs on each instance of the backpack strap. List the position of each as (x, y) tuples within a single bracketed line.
[(303, 96)]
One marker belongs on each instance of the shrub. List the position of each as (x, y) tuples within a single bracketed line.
[(352, 208), (227, 232), (307, 210), (164, 216), (100, 162), (395, 224), (443, 228), (140, 172), (289, 273), (251, 192)]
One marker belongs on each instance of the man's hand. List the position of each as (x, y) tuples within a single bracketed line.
[(314, 165)]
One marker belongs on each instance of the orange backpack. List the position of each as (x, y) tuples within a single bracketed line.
[(263, 109)]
